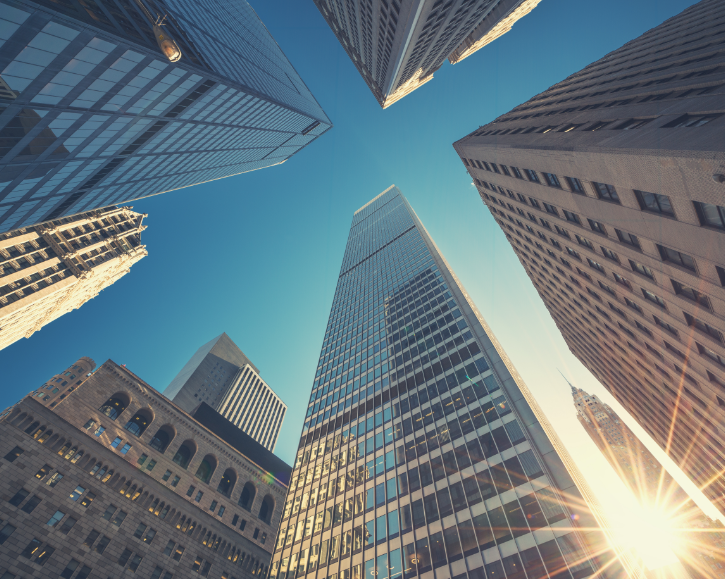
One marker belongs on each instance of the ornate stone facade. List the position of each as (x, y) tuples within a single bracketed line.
[(156, 492), (51, 269)]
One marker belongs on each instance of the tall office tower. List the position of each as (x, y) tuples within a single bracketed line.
[(93, 113), (422, 448), (397, 47), (220, 375), (700, 541), (610, 188), (116, 478), (62, 384), (51, 269)]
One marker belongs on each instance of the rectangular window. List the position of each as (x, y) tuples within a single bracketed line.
[(596, 226), (14, 453), (691, 121), (673, 256), (662, 324), (654, 203), (596, 265), (606, 192), (75, 495), (655, 299), (691, 294), (608, 253), (710, 215), (551, 209), (532, 176), (710, 354), (627, 238), (575, 185), (126, 447), (55, 519), (703, 327), (552, 180), (116, 442), (516, 172), (641, 269), (573, 217)]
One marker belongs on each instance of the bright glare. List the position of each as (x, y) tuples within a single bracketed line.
[(654, 539)]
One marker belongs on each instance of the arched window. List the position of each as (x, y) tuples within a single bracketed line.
[(247, 497), (140, 421), (115, 405), (206, 468), (186, 451), (267, 508), (229, 479), (162, 438)]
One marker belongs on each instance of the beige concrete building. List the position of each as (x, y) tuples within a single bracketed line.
[(397, 46), (610, 188), (51, 269), (116, 480)]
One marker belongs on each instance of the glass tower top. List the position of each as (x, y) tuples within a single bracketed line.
[(423, 453), (92, 113)]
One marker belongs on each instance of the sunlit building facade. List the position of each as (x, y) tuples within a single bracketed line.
[(699, 540), (51, 269), (92, 113), (610, 187), (116, 480), (219, 374), (397, 46), (423, 453)]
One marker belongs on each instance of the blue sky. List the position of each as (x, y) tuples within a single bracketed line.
[(257, 256)]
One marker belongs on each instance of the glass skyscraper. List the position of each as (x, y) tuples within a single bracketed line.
[(423, 453), (92, 113)]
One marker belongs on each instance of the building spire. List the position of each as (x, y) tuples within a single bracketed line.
[(573, 388)]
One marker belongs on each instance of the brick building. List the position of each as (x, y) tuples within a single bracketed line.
[(609, 186), (116, 477)]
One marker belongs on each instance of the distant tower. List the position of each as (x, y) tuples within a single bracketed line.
[(222, 376), (702, 540), (397, 46), (51, 269)]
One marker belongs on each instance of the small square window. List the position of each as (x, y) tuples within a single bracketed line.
[(76, 494), (606, 192)]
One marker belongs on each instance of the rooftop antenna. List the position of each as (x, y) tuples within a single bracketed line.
[(573, 389)]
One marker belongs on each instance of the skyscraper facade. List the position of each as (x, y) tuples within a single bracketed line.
[(93, 113), (398, 45), (700, 540), (51, 269), (422, 448), (610, 188), (116, 479), (220, 375)]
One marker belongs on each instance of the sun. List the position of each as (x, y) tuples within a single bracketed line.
[(654, 536)]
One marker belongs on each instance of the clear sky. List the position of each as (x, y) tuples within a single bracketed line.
[(258, 255)]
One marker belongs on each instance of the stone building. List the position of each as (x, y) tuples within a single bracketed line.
[(220, 375), (610, 187), (115, 476), (62, 384), (94, 112), (397, 46), (699, 541), (423, 453), (51, 269)]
